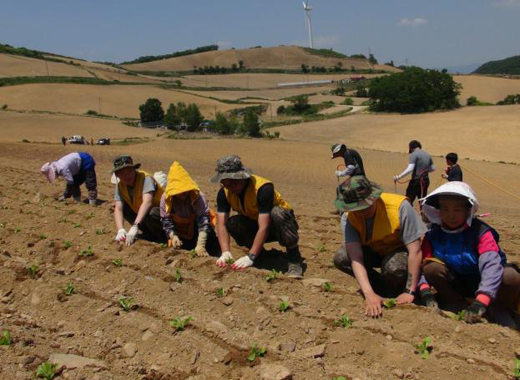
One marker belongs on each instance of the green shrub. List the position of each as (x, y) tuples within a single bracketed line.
[(348, 102)]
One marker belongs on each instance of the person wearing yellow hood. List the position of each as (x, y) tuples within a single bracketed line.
[(185, 214), (136, 198)]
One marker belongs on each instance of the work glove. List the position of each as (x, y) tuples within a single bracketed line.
[(474, 312), (92, 202), (130, 236), (200, 249), (61, 198), (429, 299), (396, 177), (339, 173), (174, 241), (222, 260), (121, 235), (242, 263)]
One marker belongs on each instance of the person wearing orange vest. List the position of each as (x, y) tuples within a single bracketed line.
[(382, 230), (137, 197), (187, 220), (263, 216)]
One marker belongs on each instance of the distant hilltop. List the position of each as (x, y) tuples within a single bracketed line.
[(509, 66), (256, 58)]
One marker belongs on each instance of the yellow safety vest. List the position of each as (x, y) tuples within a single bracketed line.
[(250, 208), (386, 234), (137, 199)]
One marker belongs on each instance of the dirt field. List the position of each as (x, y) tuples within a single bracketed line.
[(17, 66), (115, 100), (486, 89)]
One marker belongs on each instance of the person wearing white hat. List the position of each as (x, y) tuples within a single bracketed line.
[(462, 257), (77, 168)]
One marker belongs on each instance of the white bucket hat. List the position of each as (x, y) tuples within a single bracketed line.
[(430, 204), (49, 172)]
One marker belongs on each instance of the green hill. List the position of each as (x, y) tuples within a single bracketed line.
[(509, 65)]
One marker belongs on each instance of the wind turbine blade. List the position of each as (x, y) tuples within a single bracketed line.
[(304, 5)]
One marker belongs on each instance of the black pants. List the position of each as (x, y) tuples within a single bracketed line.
[(151, 225), (417, 188), (394, 269), (87, 177), (283, 228)]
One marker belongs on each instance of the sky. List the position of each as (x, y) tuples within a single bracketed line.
[(426, 33)]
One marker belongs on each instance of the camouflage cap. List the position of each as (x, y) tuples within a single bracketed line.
[(357, 193), (230, 167), (124, 161)]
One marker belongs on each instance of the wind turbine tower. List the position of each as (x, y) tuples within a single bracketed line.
[(307, 10)]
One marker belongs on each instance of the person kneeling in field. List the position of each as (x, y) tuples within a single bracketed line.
[(263, 216), (462, 257), (185, 214), (382, 230), (137, 197), (77, 168)]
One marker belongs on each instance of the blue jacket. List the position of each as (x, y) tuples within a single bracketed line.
[(459, 251)]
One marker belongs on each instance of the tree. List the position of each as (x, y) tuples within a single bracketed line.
[(172, 118), (372, 59), (414, 90), (193, 117), (223, 126), (241, 64), (252, 124), (181, 111), (361, 91), (151, 111), (301, 103), (305, 68)]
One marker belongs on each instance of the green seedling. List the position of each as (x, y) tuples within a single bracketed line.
[(272, 276), (17, 230), (256, 352), (326, 287), (284, 306), (344, 321), (89, 216), (100, 231), (43, 236), (390, 303), (179, 324), (516, 370), (230, 261), (461, 315), (178, 275), (118, 262), (424, 347), (5, 339), (71, 212), (47, 370), (126, 303), (221, 292), (69, 289), (87, 252), (77, 225), (33, 270), (192, 253), (67, 244), (321, 248), (163, 245)]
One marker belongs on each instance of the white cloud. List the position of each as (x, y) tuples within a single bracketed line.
[(505, 3), (412, 22)]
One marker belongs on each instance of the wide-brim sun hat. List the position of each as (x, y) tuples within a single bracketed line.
[(357, 193), (430, 203), (124, 161), (49, 172), (336, 148), (230, 167)]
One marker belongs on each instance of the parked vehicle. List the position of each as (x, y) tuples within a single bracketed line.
[(77, 139), (103, 141)]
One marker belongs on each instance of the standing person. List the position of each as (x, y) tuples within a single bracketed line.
[(77, 168), (352, 159), (263, 216), (462, 257), (453, 171), (420, 164), (382, 231), (136, 197), (63, 140), (185, 214)]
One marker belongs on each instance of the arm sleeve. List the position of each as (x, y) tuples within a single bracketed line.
[(407, 171), (223, 205), (201, 209), (412, 227), (166, 219), (65, 173), (348, 171), (265, 198), (149, 185), (351, 234), (490, 266)]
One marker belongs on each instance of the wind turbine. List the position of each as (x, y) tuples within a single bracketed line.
[(307, 10)]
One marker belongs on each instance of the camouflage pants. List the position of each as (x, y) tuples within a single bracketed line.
[(391, 281), (283, 228)]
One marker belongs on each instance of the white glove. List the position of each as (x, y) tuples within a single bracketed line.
[(130, 236), (61, 198), (200, 249), (92, 202), (396, 177), (242, 263), (174, 241), (222, 260), (121, 235), (339, 173)]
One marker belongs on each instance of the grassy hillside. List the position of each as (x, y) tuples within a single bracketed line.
[(509, 65)]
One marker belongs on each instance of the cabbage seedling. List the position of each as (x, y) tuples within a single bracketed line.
[(272, 276), (178, 275), (390, 303), (47, 370), (284, 306), (33, 270), (256, 352), (344, 321), (87, 252), (5, 339), (118, 262), (179, 324), (126, 303), (326, 287), (424, 347), (69, 289)]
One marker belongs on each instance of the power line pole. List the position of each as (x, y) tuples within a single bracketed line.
[(47, 66), (99, 105)]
